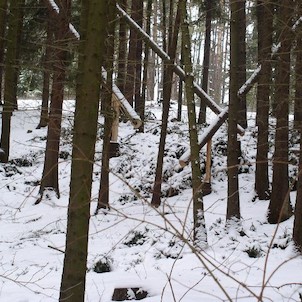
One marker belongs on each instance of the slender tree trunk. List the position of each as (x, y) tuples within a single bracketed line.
[(297, 231), (46, 76), (265, 40), (122, 50), (242, 118), (233, 207), (103, 198), (168, 74), (61, 34), (139, 103), (3, 19), (279, 207), (180, 92), (200, 234), (92, 45), (206, 60), (129, 90), (11, 75), (298, 73), (146, 64)]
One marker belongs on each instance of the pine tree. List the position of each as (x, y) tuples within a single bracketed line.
[(92, 45)]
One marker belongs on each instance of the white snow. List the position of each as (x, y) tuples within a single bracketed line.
[(161, 259)]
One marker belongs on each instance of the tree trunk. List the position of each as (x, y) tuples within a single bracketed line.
[(297, 231), (139, 103), (61, 34), (200, 234), (241, 15), (129, 90), (279, 207), (103, 198), (11, 75), (298, 73), (233, 208), (167, 77), (122, 50), (46, 76), (265, 40), (93, 31), (206, 60), (3, 19), (146, 64)]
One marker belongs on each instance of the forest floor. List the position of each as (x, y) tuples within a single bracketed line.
[(133, 244)]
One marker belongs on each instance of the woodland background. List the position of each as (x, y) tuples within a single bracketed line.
[(134, 61)]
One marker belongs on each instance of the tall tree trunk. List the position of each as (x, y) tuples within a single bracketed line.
[(206, 60), (129, 90), (265, 40), (46, 76), (279, 207), (93, 31), (233, 208), (3, 19), (297, 231), (122, 50), (103, 198), (61, 34), (11, 74), (298, 73), (241, 15), (167, 77), (139, 103), (200, 234), (146, 64)]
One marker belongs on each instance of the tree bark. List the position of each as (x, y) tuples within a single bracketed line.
[(206, 60), (265, 41), (11, 75), (199, 228), (241, 77), (61, 34), (279, 207), (103, 198), (167, 77), (122, 50), (3, 19), (92, 45), (46, 76), (233, 207)]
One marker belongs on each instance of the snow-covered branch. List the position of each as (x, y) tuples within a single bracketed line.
[(247, 86), (206, 135), (130, 112)]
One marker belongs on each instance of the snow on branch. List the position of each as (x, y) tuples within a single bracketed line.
[(247, 86), (130, 112), (177, 69), (206, 135)]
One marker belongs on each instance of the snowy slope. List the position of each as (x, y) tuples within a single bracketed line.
[(144, 247)]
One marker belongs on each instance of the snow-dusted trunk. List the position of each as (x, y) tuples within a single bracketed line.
[(199, 228)]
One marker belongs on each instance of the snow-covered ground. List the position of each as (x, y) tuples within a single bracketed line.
[(144, 247)]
